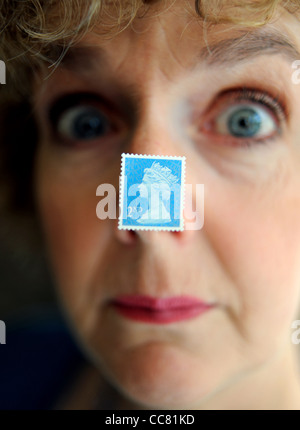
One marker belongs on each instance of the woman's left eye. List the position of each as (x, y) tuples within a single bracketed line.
[(244, 116), (246, 121)]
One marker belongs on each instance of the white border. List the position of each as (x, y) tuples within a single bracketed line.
[(182, 196)]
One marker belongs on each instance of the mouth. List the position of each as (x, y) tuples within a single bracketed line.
[(159, 310)]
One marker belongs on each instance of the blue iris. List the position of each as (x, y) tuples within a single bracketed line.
[(89, 124), (245, 122)]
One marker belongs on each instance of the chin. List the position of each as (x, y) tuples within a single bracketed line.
[(161, 376)]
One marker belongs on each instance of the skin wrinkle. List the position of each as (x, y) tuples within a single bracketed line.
[(224, 52)]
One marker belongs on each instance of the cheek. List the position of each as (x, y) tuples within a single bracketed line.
[(256, 234), (75, 236)]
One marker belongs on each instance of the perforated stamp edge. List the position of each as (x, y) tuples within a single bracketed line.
[(121, 194)]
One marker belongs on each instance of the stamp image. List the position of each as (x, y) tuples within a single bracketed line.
[(151, 192)]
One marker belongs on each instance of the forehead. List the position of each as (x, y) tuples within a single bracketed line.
[(177, 37), (165, 44)]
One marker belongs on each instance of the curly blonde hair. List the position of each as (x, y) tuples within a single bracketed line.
[(37, 32)]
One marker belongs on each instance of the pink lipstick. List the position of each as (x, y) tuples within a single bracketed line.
[(159, 310)]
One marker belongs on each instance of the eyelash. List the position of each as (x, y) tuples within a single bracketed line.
[(233, 97), (265, 99)]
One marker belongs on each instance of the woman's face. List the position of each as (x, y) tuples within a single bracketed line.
[(233, 111)]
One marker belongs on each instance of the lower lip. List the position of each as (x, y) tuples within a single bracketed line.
[(159, 311)]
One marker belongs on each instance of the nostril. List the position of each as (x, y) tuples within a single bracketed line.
[(128, 237), (179, 236), (177, 233)]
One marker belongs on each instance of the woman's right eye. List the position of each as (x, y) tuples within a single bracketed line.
[(83, 123)]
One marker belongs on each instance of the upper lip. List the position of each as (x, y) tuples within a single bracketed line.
[(160, 304)]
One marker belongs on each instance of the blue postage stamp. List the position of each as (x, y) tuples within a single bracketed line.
[(152, 192)]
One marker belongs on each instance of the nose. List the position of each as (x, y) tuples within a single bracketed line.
[(153, 137)]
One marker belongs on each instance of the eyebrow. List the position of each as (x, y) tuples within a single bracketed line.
[(245, 47), (249, 45)]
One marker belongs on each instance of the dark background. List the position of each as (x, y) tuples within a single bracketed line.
[(40, 359)]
